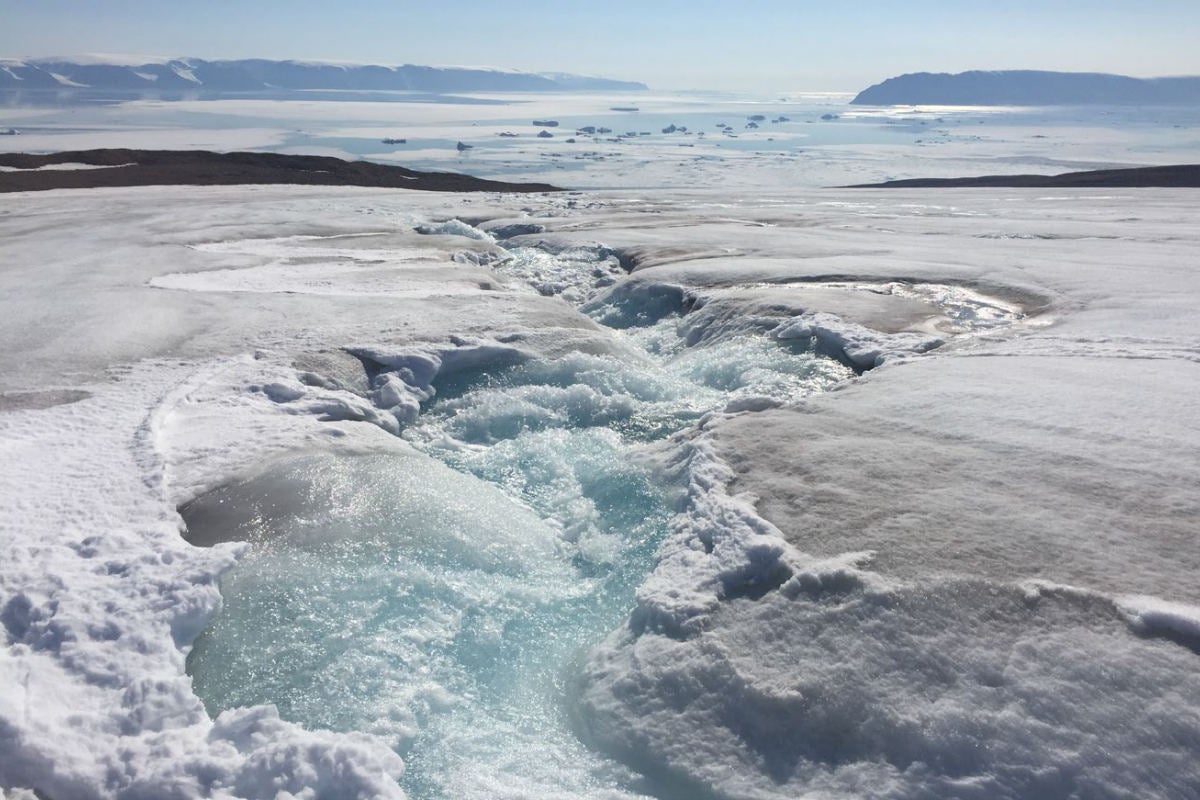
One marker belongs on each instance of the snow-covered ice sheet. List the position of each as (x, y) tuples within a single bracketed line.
[(966, 573), (959, 544), (99, 597)]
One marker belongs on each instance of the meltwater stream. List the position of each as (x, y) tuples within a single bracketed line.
[(442, 596)]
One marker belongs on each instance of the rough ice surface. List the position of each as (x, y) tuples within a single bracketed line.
[(861, 346), (456, 605), (488, 544), (965, 541), (99, 604)]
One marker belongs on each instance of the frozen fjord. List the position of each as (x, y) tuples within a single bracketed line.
[(673, 140), (934, 668)]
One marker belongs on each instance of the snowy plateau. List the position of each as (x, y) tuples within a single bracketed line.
[(752, 491)]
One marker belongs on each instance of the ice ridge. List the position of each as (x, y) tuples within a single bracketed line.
[(860, 346)]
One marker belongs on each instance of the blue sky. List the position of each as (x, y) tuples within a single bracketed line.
[(757, 45)]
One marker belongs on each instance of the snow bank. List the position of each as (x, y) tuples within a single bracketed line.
[(934, 690), (719, 549), (405, 379), (1051, 449), (750, 669), (1156, 616), (100, 599), (862, 347), (453, 227)]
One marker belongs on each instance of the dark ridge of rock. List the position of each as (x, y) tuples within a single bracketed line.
[(1028, 88), (204, 168), (1173, 176)]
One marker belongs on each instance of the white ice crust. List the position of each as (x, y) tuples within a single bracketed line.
[(967, 574), (863, 347), (100, 597)]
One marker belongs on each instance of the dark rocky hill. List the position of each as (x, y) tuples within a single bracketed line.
[(204, 168)]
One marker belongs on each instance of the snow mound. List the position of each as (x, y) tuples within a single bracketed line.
[(862, 347), (453, 227), (94, 701), (404, 380), (958, 688), (1162, 617)]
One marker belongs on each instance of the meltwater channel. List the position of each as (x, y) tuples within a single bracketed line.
[(443, 596)]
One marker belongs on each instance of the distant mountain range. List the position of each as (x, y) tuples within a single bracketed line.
[(255, 75), (1029, 88)]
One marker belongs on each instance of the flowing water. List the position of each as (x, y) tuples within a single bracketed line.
[(443, 596)]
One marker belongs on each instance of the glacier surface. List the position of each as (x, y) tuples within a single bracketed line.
[(533, 496)]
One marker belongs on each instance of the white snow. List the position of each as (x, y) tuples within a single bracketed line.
[(863, 347), (310, 265), (969, 572), (103, 59), (100, 597), (183, 70), (1154, 615), (1040, 451), (100, 602), (65, 81), (68, 165)]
